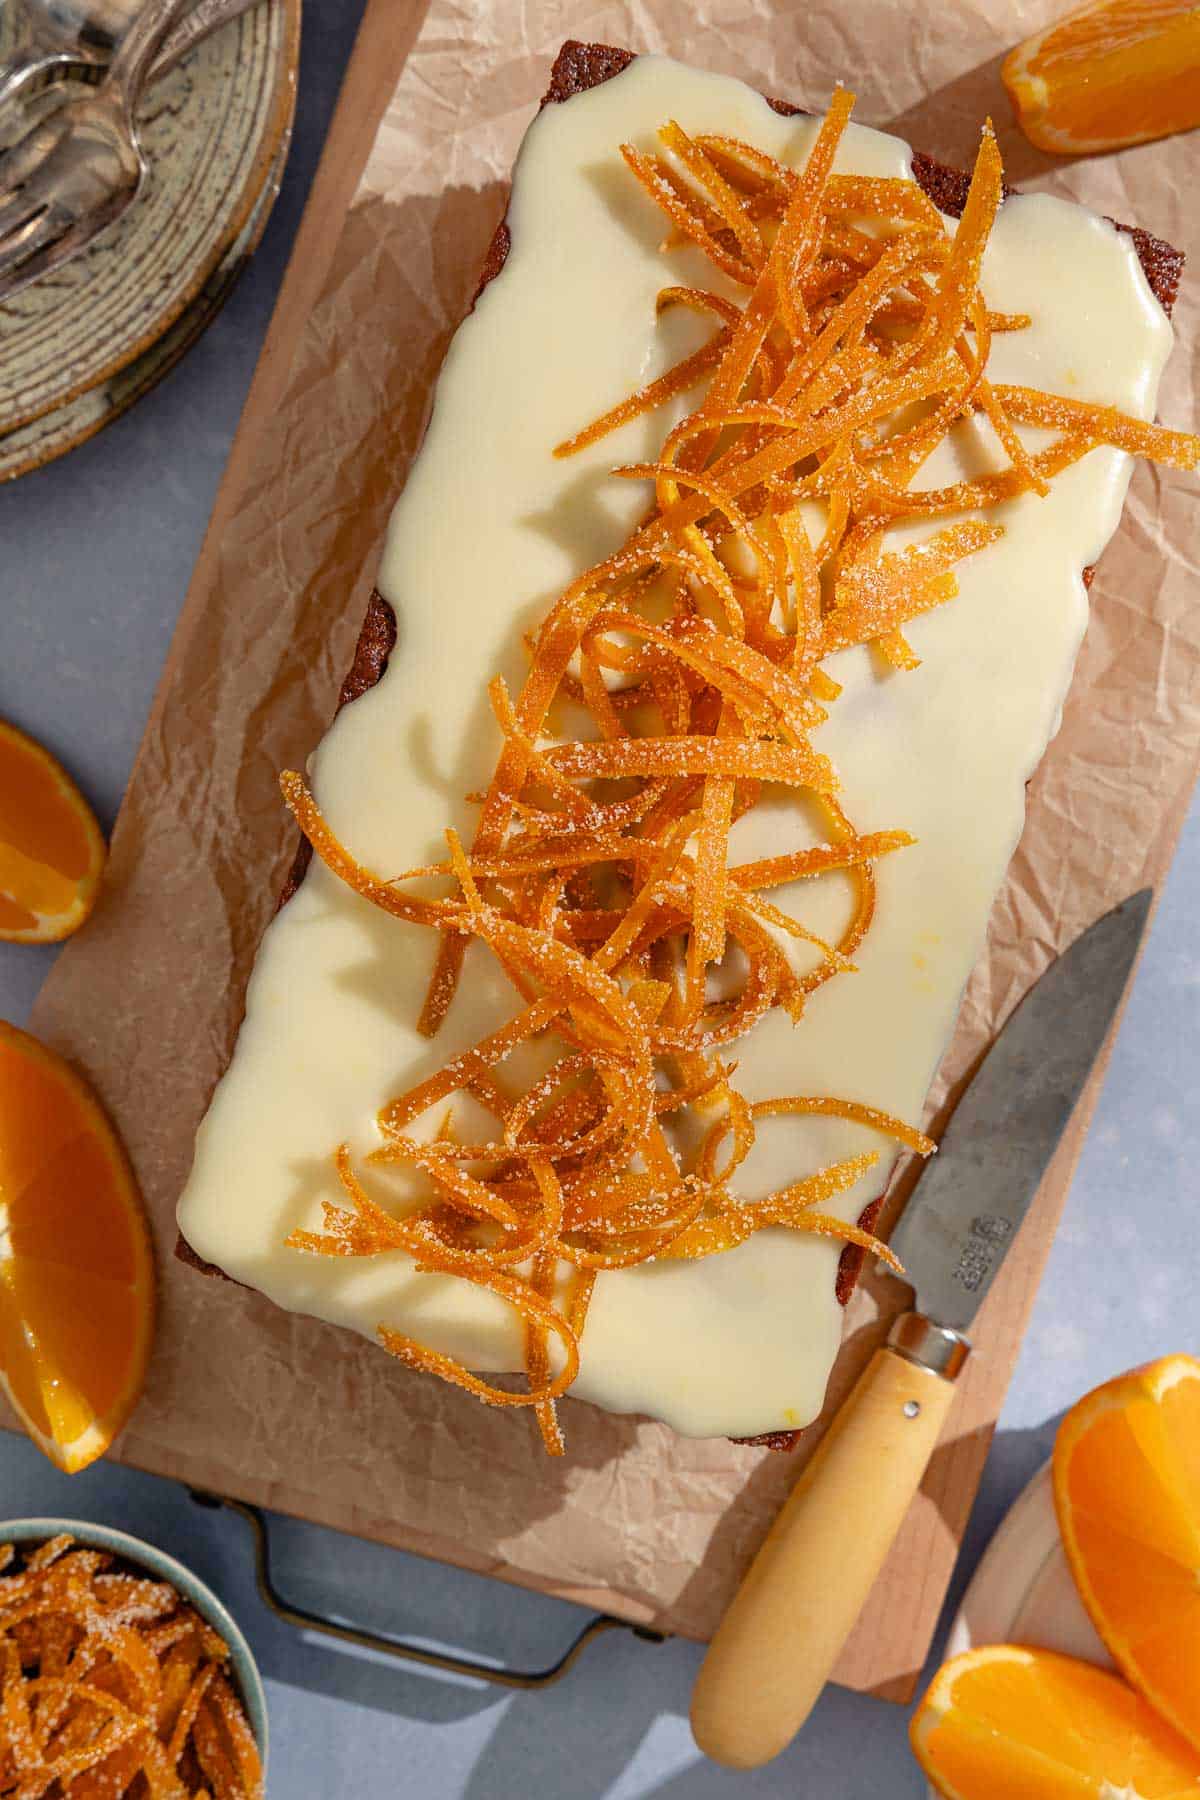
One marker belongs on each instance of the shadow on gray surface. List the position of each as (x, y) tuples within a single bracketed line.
[(578, 1739), (586, 1743), (583, 1737), (370, 1588)]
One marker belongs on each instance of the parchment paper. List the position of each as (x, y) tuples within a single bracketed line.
[(248, 1401)]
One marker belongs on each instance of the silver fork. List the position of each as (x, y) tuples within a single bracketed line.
[(58, 37), (77, 39), (78, 170)]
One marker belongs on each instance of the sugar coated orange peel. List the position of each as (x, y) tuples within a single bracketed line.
[(112, 1685), (684, 673)]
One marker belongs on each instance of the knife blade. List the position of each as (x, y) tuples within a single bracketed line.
[(774, 1649), (969, 1203)]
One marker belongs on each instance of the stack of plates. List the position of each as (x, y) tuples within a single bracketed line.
[(89, 339)]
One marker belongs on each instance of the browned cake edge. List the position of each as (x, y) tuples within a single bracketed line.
[(577, 67)]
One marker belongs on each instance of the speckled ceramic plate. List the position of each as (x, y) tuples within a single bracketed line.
[(1023, 1592), (30, 446), (80, 346)]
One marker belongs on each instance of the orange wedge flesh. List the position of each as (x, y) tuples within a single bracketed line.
[(1127, 1490), (1108, 75), (76, 1267), (1003, 1722), (51, 848)]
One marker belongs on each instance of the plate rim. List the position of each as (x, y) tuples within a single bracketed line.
[(1028, 1532), (1016, 1557)]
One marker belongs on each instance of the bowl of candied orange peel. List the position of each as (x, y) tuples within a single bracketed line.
[(122, 1673)]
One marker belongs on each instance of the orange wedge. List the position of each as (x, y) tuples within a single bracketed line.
[(51, 850), (1113, 74), (1004, 1723), (76, 1268), (1127, 1491)]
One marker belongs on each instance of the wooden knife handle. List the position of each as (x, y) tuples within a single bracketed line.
[(776, 1646)]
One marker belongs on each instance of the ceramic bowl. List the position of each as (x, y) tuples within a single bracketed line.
[(162, 1567)]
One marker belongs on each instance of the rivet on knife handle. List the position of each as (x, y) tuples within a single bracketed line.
[(777, 1644)]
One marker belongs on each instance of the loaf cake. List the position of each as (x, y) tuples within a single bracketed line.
[(741, 1341)]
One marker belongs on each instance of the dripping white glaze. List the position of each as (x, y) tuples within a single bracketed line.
[(489, 529)]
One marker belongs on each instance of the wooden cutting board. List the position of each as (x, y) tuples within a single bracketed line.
[(287, 1412)]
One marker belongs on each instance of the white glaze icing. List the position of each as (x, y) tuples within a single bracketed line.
[(489, 529)]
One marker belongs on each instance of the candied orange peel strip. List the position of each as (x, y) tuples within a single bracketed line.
[(668, 686), (112, 1685)]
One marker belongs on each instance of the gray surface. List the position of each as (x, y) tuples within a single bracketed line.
[(96, 556)]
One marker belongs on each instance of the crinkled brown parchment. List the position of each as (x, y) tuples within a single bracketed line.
[(248, 1401)]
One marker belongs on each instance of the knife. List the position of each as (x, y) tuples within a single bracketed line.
[(777, 1644)]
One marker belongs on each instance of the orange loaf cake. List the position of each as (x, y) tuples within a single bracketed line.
[(650, 868)]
